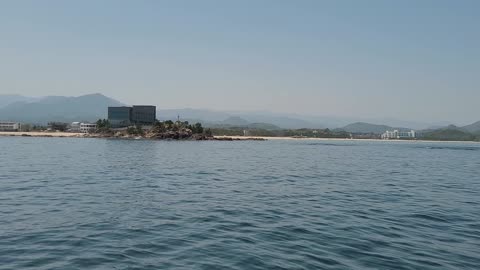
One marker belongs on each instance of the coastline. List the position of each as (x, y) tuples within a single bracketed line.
[(219, 138), (339, 139), (42, 134)]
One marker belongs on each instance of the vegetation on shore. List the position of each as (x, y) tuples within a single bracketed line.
[(103, 126), (302, 133), (449, 134), (159, 130), (184, 130)]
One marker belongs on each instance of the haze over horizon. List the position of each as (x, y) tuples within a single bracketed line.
[(407, 60)]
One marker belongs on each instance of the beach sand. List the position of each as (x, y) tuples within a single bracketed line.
[(42, 134), (82, 135), (332, 139)]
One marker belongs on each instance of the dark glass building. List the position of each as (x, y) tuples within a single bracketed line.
[(144, 115), (136, 115), (120, 116)]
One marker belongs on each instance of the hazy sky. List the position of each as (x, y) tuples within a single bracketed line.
[(415, 60)]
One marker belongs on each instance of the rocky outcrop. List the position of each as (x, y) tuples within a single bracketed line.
[(158, 133), (181, 134)]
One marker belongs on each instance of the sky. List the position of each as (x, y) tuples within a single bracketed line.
[(411, 60)]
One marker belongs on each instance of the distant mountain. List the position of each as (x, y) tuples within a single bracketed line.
[(281, 121), (199, 115), (92, 107), (472, 128), (238, 122), (265, 126), (334, 122), (59, 108), (220, 117), (449, 127), (10, 99), (450, 133), (288, 120), (393, 122), (235, 121), (361, 127)]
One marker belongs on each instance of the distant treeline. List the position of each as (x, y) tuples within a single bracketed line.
[(309, 133), (435, 135), (443, 134)]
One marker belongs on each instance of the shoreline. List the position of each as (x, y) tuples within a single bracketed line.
[(219, 138), (42, 134), (338, 139)]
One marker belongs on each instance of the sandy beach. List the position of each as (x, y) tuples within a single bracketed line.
[(83, 135), (42, 134), (329, 139), (80, 135)]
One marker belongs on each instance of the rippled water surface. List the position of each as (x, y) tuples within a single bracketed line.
[(112, 204)]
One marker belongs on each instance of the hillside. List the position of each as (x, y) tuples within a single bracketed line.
[(6, 100), (265, 126), (448, 134), (235, 121), (473, 128), (361, 127), (59, 108), (211, 117)]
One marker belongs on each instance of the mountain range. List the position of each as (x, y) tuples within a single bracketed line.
[(453, 133), (55, 108), (473, 128), (9, 99), (40, 110), (209, 117), (361, 127)]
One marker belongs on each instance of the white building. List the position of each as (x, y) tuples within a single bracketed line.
[(87, 127), (399, 134), (75, 127), (10, 126)]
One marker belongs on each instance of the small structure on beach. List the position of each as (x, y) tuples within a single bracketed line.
[(79, 127), (87, 127), (74, 127), (10, 126)]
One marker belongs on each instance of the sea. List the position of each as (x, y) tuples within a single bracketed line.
[(74, 203)]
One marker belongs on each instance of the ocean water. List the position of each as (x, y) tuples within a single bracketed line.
[(115, 204)]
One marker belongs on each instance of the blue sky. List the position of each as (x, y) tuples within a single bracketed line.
[(414, 60)]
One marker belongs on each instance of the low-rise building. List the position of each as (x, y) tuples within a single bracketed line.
[(75, 127), (396, 134), (57, 126), (10, 126), (87, 127)]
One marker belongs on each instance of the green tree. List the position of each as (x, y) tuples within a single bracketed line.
[(208, 132), (103, 126), (139, 130), (26, 127), (168, 124), (159, 126), (131, 131), (197, 128)]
